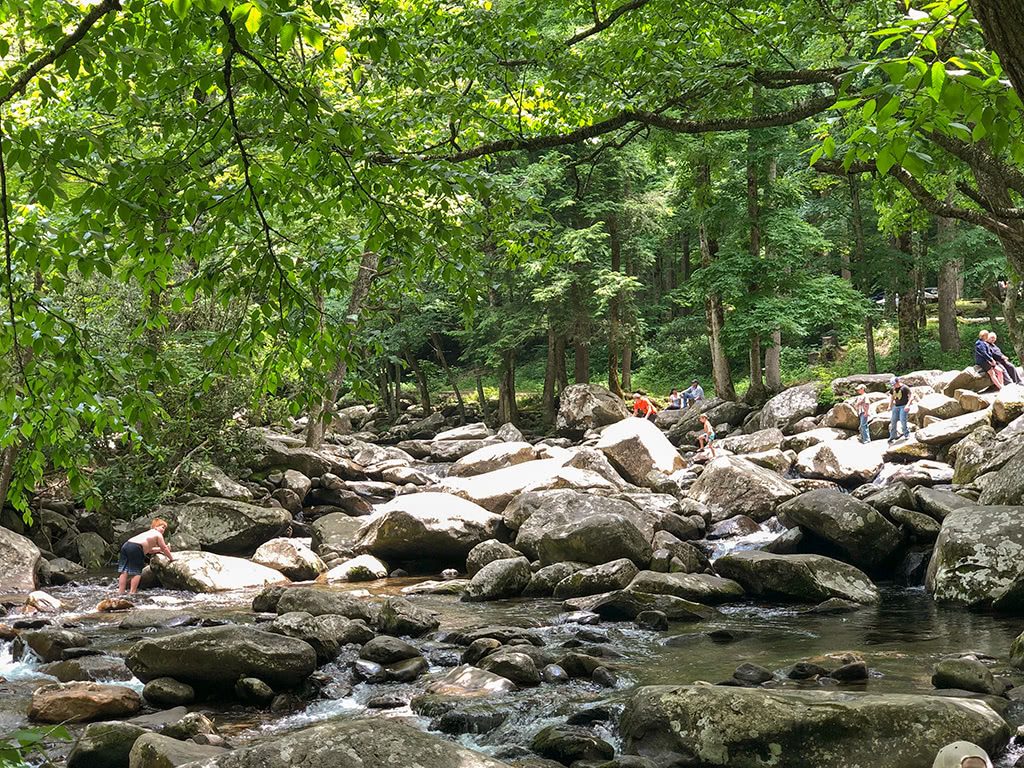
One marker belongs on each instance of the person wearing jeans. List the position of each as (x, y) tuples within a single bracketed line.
[(861, 406), (899, 402)]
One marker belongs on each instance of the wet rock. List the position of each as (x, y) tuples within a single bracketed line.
[(188, 726), (543, 582), (655, 621), (209, 572), (19, 559), (809, 578), (467, 680), (153, 750), (370, 671), (499, 579), (605, 678), (713, 725), (806, 670), (919, 526), (168, 692), (864, 537), (81, 702), (636, 447), (407, 670), (606, 577), (967, 675), (978, 558), (326, 633), (90, 668), (853, 672), (517, 667), (401, 618), (445, 526), (583, 407), (48, 644), (479, 648), (387, 701), (487, 552), (253, 690), (731, 485), (698, 587), (222, 655), (835, 606), (104, 745), (291, 557), (570, 743), (554, 674), (59, 571), (231, 527), (359, 568), (319, 601), (752, 674), (626, 605), (446, 587), (740, 525), (388, 650)]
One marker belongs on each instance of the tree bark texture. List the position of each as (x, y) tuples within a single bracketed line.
[(614, 308), (508, 412), (907, 315), (421, 380), (1003, 24), (550, 378), (714, 312), (773, 363), (1011, 314)]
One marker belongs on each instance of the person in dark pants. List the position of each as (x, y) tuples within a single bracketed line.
[(899, 402), (132, 559), (1009, 369), (984, 359)]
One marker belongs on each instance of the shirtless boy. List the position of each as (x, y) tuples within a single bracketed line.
[(133, 554)]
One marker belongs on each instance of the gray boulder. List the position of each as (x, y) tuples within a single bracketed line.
[(499, 579), (19, 559), (789, 406), (231, 527), (487, 552), (596, 539), (697, 587), (583, 407), (731, 485), (761, 440), (636, 447), (153, 750), (399, 617), (291, 557), (606, 577), (626, 605), (492, 457), (207, 572), (209, 480), (803, 578), (320, 601), (966, 674), (104, 745), (336, 534), (1006, 485), (326, 633)]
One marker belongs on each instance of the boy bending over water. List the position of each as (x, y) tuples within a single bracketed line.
[(133, 554)]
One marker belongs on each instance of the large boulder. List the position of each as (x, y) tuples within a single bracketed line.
[(320, 601), (978, 558), (738, 727), (789, 406), (636, 447), (803, 578), (401, 618), (606, 577), (854, 527), (698, 587), (336, 534), (291, 557), (426, 526), (532, 513), (494, 490), (951, 430), (938, 406), (222, 655), (844, 461), (583, 407), (230, 527), (627, 604), (970, 378), (1006, 485), (1009, 404), (81, 702), (499, 579), (761, 440), (732, 486), (104, 745), (326, 633), (19, 559), (492, 457), (372, 742), (207, 479), (154, 750), (684, 428), (595, 539), (207, 572)]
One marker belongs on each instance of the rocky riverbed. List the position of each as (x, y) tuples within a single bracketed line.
[(606, 597)]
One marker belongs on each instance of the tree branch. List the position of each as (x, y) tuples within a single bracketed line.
[(977, 157), (60, 47), (603, 24)]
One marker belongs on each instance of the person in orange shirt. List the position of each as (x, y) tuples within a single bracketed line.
[(643, 407)]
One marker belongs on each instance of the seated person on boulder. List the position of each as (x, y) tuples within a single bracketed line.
[(675, 401), (133, 554), (985, 360), (643, 407), (1009, 369), (693, 393)]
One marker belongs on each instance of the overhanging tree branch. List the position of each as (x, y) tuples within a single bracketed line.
[(603, 24), (59, 48)]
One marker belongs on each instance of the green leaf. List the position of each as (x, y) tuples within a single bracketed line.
[(180, 7), (252, 22), (868, 109), (938, 75), (288, 33), (884, 161)]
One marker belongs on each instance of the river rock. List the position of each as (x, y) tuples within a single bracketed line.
[(569, 744), (715, 725), (208, 572), (19, 560), (731, 485), (697, 587), (168, 692), (517, 667), (689, 558), (47, 644), (104, 745), (435, 526), (593, 460), (938, 406), (865, 538), (359, 568), (966, 675), (606, 577), (805, 578), (755, 442), (789, 406), (533, 513), (636, 447), (336, 534), (951, 430), (939, 503), (320, 601), (475, 431), (209, 480), (291, 557), (740, 525), (543, 581), (153, 750), (919, 526), (1005, 486), (467, 680), (378, 741), (388, 650), (231, 527), (583, 407), (400, 617), (499, 579), (1008, 404), (492, 457), (487, 552), (626, 605), (845, 461), (326, 633), (446, 451), (494, 490), (88, 668), (978, 558), (222, 655), (595, 539), (81, 702), (970, 378)]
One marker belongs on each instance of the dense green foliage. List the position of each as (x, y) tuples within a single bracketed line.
[(189, 188)]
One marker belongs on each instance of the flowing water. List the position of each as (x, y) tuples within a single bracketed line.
[(901, 638)]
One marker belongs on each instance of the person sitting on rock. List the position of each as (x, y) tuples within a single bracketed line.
[(133, 554), (862, 406), (1009, 369), (984, 359), (675, 401), (643, 408), (693, 393), (962, 754), (706, 439), (899, 403)]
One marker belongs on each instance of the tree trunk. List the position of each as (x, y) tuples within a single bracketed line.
[(561, 375), (949, 336), (922, 307), (581, 367), (844, 266), (773, 363), (1002, 22), (435, 342), (485, 411), (550, 378), (421, 380), (869, 340), (756, 391), (714, 312), (909, 330), (8, 458), (320, 410), (614, 309), (1011, 313), (508, 412), (627, 366), (992, 303)]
